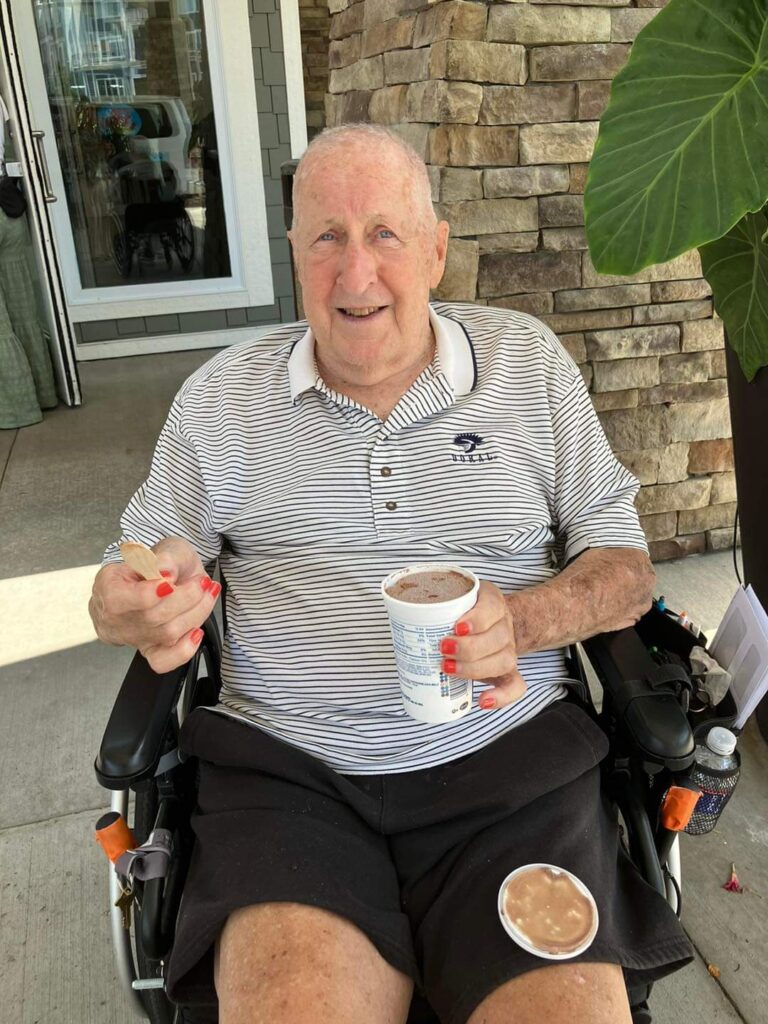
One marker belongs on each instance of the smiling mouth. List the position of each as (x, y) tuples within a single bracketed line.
[(359, 312)]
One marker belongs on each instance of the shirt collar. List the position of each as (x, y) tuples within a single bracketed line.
[(454, 349)]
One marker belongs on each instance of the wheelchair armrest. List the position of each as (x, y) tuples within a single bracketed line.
[(138, 725), (652, 718)]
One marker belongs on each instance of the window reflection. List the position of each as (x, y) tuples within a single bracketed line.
[(130, 94)]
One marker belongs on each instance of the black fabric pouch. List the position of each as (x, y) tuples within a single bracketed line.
[(12, 201)]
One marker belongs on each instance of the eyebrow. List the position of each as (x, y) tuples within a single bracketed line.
[(374, 216)]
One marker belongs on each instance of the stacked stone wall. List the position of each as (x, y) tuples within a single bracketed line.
[(503, 101), (314, 25)]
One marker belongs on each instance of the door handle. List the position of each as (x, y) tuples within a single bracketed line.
[(37, 139)]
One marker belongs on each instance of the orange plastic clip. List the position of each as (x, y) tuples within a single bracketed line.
[(678, 806), (113, 835)]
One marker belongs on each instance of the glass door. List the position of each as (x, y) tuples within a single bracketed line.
[(134, 98), (24, 159)]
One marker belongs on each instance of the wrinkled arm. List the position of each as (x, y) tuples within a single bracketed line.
[(602, 590)]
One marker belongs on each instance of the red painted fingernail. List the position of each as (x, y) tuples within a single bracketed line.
[(165, 572), (448, 645), (164, 590), (462, 629), (196, 636), (449, 666), (487, 701), (215, 590), (206, 582)]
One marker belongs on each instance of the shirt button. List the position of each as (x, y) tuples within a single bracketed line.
[(386, 471), (391, 506)]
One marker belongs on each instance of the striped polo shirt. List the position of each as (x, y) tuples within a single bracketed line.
[(493, 460)]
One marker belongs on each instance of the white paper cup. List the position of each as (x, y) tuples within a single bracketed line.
[(417, 629), (523, 940)]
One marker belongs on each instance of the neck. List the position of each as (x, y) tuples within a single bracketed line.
[(382, 396)]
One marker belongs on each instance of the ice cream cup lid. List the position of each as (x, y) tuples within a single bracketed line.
[(515, 929)]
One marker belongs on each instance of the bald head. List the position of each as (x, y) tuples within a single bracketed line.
[(371, 144)]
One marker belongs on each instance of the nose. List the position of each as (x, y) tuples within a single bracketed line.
[(357, 269)]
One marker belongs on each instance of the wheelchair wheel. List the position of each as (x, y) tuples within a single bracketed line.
[(158, 1007), (122, 251), (184, 241)]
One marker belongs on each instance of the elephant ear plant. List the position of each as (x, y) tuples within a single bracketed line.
[(681, 160)]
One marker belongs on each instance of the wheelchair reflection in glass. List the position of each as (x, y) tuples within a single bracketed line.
[(154, 220)]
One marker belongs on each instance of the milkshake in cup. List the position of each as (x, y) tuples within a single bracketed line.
[(548, 911), (424, 603)]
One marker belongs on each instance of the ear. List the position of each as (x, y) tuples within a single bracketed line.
[(296, 251), (440, 253)]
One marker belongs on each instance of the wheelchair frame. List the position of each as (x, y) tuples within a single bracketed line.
[(651, 741)]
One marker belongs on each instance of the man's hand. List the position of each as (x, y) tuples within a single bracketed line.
[(602, 590), (484, 649), (161, 619)]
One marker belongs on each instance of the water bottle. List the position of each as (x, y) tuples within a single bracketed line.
[(716, 772)]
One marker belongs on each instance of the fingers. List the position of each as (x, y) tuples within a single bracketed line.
[(470, 651), (500, 669), (483, 648), (178, 559), (506, 690), (166, 658), (177, 609), (489, 608), (146, 613)]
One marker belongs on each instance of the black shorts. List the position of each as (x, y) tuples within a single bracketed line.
[(414, 859)]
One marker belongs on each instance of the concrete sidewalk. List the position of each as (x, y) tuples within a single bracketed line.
[(63, 485)]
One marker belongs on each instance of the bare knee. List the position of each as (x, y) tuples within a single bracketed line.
[(289, 962), (566, 993)]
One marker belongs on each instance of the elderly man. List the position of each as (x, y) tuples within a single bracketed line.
[(345, 850)]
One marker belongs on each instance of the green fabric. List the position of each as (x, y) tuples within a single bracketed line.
[(27, 383)]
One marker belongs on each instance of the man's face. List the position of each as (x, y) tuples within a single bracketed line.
[(366, 261)]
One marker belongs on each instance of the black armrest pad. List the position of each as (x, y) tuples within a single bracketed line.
[(137, 727), (653, 719), (134, 735)]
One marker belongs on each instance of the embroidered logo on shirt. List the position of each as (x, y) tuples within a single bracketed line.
[(470, 443)]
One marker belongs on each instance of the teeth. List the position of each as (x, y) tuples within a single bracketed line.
[(361, 312)]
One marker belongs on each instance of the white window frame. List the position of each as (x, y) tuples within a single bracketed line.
[(234, 99)]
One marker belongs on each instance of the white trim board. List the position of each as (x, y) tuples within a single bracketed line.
[(294, 76), (170, 343)]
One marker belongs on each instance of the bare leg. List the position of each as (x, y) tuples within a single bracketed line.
[(559, 994), (286, 963)]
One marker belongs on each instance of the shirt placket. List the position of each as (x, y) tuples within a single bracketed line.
[(393, 501), (393, 496), (386, 479)]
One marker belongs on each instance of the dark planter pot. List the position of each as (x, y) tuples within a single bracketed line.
[(749, 420)]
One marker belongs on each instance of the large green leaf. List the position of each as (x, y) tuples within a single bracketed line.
[(736, 267), (682, 152)]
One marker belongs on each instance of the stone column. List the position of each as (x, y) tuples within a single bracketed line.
[(503, 101), (315, 24)]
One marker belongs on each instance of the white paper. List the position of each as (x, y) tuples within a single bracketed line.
[(741, 647)]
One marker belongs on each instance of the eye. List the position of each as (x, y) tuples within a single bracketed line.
[(327, 236)]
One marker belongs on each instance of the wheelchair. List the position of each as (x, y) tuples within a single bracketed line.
[(645, 712)]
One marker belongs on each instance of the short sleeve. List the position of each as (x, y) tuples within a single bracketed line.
[(594, 493), (173, 500)]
